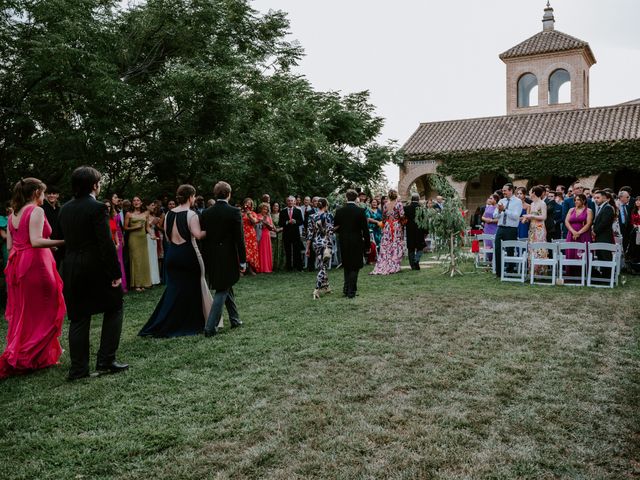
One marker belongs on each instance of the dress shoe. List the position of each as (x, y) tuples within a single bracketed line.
[(236, 323), (74, 377), (210, 333), (113, 367)]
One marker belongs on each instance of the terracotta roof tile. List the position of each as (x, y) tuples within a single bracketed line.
[(547, 41), (591, 125)]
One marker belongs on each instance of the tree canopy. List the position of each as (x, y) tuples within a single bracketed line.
[(173, 91)]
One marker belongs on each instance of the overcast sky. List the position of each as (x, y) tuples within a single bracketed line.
[(428, 60)]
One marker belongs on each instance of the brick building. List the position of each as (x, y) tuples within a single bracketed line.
[(547, 100)]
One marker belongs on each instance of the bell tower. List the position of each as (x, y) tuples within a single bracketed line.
[(549, 71)]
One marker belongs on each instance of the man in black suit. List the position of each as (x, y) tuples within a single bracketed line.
[(91, 275), (415, 234), (224, 256), (603, 225), (625, 218), (350, 223), (291, 221)]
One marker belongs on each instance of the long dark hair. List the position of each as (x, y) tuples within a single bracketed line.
[(23, 192), (635, 208)]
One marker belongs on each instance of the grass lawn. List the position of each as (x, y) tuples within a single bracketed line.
[(421, 376)]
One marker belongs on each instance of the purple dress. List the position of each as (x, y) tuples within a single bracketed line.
[(577, 222)]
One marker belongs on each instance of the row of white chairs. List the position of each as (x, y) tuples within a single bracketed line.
[(523, 258)]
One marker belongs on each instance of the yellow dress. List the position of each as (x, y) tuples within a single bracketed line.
[(139, 254)]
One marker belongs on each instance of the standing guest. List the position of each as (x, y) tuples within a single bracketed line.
[(276, 238), (309, 208), (439, 203), (266, 198), (199, 206), (135, 223), (91, 275), (536, 218), (508, 214), (35, 305), (290, 222), (523, 226), (415, 234), (320, 238), (51, 206), (587, 193), (211, 202), (120, 249), (392, 244), (578, 225), (568, 203), (374, 220), (125, 208), (152, 244), (624, 218), (4, 252), (633, 250), (353, 235), (249, 223), (603, 225), (186, 301), (264, 244), (490, 224), (224, 254)]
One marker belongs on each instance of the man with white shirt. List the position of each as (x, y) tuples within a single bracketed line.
[(508, 213), (291, 220)]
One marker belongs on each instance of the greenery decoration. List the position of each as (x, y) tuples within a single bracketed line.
[(446, 224)]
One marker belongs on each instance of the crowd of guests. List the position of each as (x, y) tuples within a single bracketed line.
[(78, 259), (575, 214)]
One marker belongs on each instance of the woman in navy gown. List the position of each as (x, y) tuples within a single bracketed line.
[(186, 301)]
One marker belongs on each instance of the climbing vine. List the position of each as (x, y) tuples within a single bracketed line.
[(561, 160)]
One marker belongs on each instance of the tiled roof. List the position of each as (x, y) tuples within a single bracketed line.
[(570, 127), (547, 41)]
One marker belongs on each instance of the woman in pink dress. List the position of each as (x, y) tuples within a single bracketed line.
[(264, 245), (35, 305), (392, 243)]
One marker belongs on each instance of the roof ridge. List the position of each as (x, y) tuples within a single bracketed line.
[(537, 114)]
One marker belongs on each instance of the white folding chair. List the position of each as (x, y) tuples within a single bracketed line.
[(519, 258), (559, 240), (619, 262), (550, 261), (484, 251), (580, 262), (612, 265)]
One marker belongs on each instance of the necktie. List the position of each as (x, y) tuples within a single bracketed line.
[(623, 213), (504, 214)]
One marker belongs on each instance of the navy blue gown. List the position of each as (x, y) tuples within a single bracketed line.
[(180, 310)]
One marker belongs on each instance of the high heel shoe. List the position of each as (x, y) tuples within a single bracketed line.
[(316, 294)]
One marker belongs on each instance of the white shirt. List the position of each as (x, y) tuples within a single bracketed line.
[(510, 217)]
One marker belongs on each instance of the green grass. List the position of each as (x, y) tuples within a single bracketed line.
[(420, 376)]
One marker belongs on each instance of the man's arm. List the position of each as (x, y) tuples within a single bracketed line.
[(238, 237)]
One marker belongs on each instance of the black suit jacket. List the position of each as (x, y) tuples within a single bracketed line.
[(603, 224), (91, 262), (415, 234), (291, 232), (350, 223), (223, 249)]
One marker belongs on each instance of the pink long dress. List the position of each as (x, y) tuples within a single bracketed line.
[(264, 247), (35, 305)]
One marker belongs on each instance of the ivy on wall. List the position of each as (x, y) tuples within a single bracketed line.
[(562, 160)]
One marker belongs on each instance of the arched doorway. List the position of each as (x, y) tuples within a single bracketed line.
[(423, 187), (479, 188), (622, 178)]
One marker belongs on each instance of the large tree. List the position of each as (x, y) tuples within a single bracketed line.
[(173, 91)]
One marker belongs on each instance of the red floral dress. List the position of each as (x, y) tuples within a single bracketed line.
[(251, 240)]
